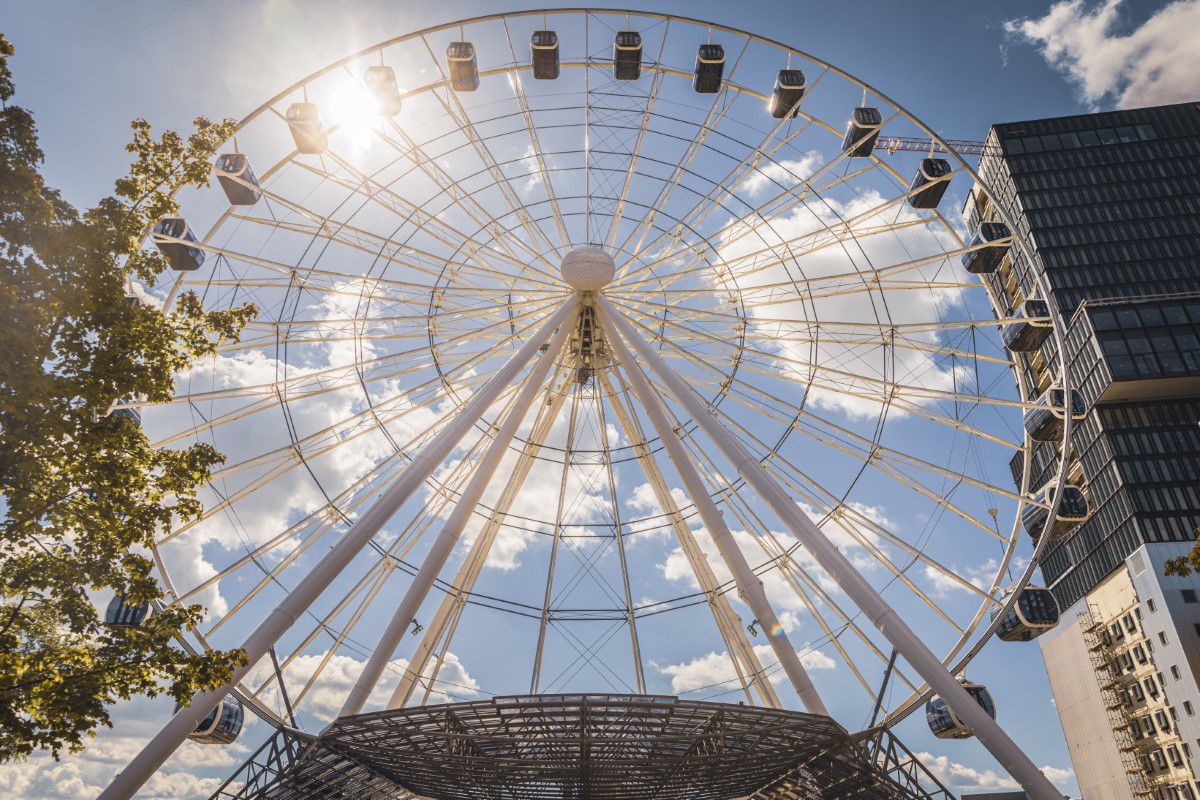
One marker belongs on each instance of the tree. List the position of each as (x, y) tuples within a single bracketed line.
[(84, 492), (1185, 565)]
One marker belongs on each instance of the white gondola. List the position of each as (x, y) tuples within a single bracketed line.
[(304, 120), (1034, 613), (381, 83), (543, 49), (710, 66), (222, 725), (1030, 327), (789, 90), (1045, 422), (627, 56), (988, 246), (129, 413), (464, 69), (945, 724), (237, 179), (930, 183), (171, 236), (123, 614), (862, 131), (1072, 511)]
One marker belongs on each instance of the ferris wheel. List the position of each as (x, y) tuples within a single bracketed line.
[(588, 338)]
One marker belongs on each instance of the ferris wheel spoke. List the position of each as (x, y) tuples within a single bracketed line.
[(408, 212), (631, 172), (717, 110), (516, 82), (748, 668), (457, 112), (452, 604)]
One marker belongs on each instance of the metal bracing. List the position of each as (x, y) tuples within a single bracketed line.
[(835, 563), (323, 573), (750, 587)]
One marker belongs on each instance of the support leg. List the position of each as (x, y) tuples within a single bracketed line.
[(443, 546), (990, 735), (160, 748), (750, 587)]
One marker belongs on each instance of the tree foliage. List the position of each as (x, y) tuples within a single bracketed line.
[(1185, 565), (83, 492)]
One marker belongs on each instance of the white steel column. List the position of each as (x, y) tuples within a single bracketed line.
[(1004, 749), (749, 586), (443, 546), (173, 734)]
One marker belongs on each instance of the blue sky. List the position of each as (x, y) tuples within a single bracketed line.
[(86, 69)]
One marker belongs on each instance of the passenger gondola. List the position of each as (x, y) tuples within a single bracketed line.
[(222, 725), (237, 179), (930, 183), (464, 69), (627, 56), (127, 412), (381, 83), (1045, 421), (710, 66), (1034, 613), (862, 131), (789, 90), (123, 614), (1029, 327), (945, 724), (307, 130), (171, 236), (987, 247), (1072, 511), (543, 48)]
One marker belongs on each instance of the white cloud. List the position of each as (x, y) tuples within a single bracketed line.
[(715, 669), (1155, 63), (960, 777), (780, 174)]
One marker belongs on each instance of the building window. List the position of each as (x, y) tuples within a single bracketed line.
[(1175, 672), (1189, 595), (1187, 708), (1162, 638), (1150, 604)]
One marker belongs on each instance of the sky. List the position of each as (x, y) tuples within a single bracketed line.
[(86, 69)]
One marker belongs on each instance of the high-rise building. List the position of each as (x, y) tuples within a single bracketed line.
[(1108, 206)]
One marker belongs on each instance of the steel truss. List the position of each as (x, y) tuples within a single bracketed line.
[(600, 747)]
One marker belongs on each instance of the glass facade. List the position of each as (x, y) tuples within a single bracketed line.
[(1109, 206)]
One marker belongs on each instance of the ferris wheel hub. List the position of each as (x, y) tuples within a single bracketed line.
[(587, 269)]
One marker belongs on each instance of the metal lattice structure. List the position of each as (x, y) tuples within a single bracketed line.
[(510, 329), (603, 747)]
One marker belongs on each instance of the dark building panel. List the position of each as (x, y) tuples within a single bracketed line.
[(1109, 205)]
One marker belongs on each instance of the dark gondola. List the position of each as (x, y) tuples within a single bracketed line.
[(129, 413), (627, 56), (988, 246), (307, 130), (945, 724), (222, 725), (381, 83), (1044, 423), (1072, 511), (543, 48), (237, 179), (710, 66), (1034, 613), (181, 255), (930, 183), (1030, 328), (464, 69), (789, 90), (862, 131), (122, 614)]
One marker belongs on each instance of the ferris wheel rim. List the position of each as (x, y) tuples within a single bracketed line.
[(1058, 323)]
